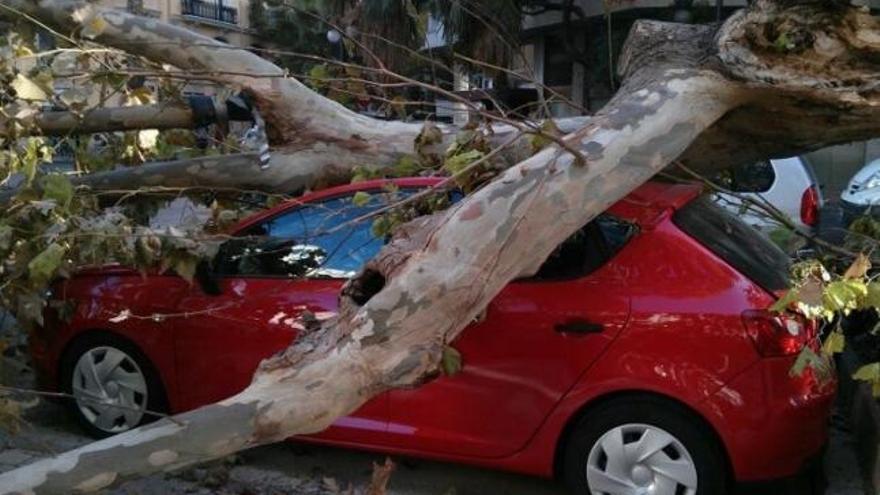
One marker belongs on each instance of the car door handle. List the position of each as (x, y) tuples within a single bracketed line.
[(579, 327)]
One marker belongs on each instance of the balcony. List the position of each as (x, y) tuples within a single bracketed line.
[(212, 12)]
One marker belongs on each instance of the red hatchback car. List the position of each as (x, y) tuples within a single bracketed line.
[(640, 359)]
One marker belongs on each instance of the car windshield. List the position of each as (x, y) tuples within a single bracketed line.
[(332, 238), (731, 239)]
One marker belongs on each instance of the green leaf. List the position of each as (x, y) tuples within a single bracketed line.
[(541, 140), (318, 76), (360, 198), (806, 358), (451, 361), (27, 89), (381, 227), (782, 304), (407, 166), (58, 187), (457, 163), (782, 43), (42, 268)]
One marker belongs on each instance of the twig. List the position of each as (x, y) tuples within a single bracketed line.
[(771, 211), (64, 395)]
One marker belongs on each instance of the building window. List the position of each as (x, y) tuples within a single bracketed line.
[(211, 10), (557, 62)]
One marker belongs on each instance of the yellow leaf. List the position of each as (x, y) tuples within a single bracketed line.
[(859, 267), (868, 373), (94, 27), (140, 96), (834, 343), (148, 138), (27, 89), (872, 299)]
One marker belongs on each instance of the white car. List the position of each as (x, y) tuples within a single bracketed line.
[(789, 184), (862, 194)]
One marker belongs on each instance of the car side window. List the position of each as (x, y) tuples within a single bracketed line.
[(752, 178), (587, 249), (317, 240)]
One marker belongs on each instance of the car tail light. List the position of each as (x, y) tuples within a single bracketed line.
[(779, 334), (810, 206)]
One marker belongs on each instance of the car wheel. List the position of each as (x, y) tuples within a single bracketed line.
[(114, 386), (643, 446)]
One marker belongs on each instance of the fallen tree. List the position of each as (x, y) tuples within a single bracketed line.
[(777, 78)]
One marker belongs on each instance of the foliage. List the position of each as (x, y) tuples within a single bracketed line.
[(51, 227), (464, 164), (816, 292)]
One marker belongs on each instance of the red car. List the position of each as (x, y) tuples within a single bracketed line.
[(640, 359)]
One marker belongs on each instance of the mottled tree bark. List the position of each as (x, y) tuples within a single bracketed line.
[(697, 92)]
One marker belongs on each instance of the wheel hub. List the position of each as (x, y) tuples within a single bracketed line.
[(110, 389), (641, 475), (639, 459)]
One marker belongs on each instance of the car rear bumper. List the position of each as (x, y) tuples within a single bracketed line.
[(773, 424)]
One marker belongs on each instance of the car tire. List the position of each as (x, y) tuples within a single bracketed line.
[(125, 379), (641, 442)]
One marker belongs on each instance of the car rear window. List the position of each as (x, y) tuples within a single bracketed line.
[(731, 239)]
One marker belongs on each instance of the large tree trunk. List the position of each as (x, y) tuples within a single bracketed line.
[(686, 89), (465, 256)]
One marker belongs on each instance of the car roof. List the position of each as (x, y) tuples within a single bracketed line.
[(641, 205)]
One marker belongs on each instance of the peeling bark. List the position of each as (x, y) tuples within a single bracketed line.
[(687, 90), (813, 72)]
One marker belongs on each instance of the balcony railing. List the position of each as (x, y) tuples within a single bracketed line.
[(214, 11)]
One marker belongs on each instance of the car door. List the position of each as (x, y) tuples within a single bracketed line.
[(539, 336), (265, 278)]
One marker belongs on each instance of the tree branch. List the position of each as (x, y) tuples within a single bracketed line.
[(57, 123), (295, 115)]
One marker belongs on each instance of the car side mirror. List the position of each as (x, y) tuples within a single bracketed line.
[(207, 279)]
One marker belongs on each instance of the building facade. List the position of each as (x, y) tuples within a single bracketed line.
[(223, 20)]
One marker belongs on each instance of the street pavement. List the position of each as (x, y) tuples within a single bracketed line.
[(298, 469)]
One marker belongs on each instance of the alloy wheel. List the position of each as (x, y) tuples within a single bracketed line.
[(639, 459), (110, 389)]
